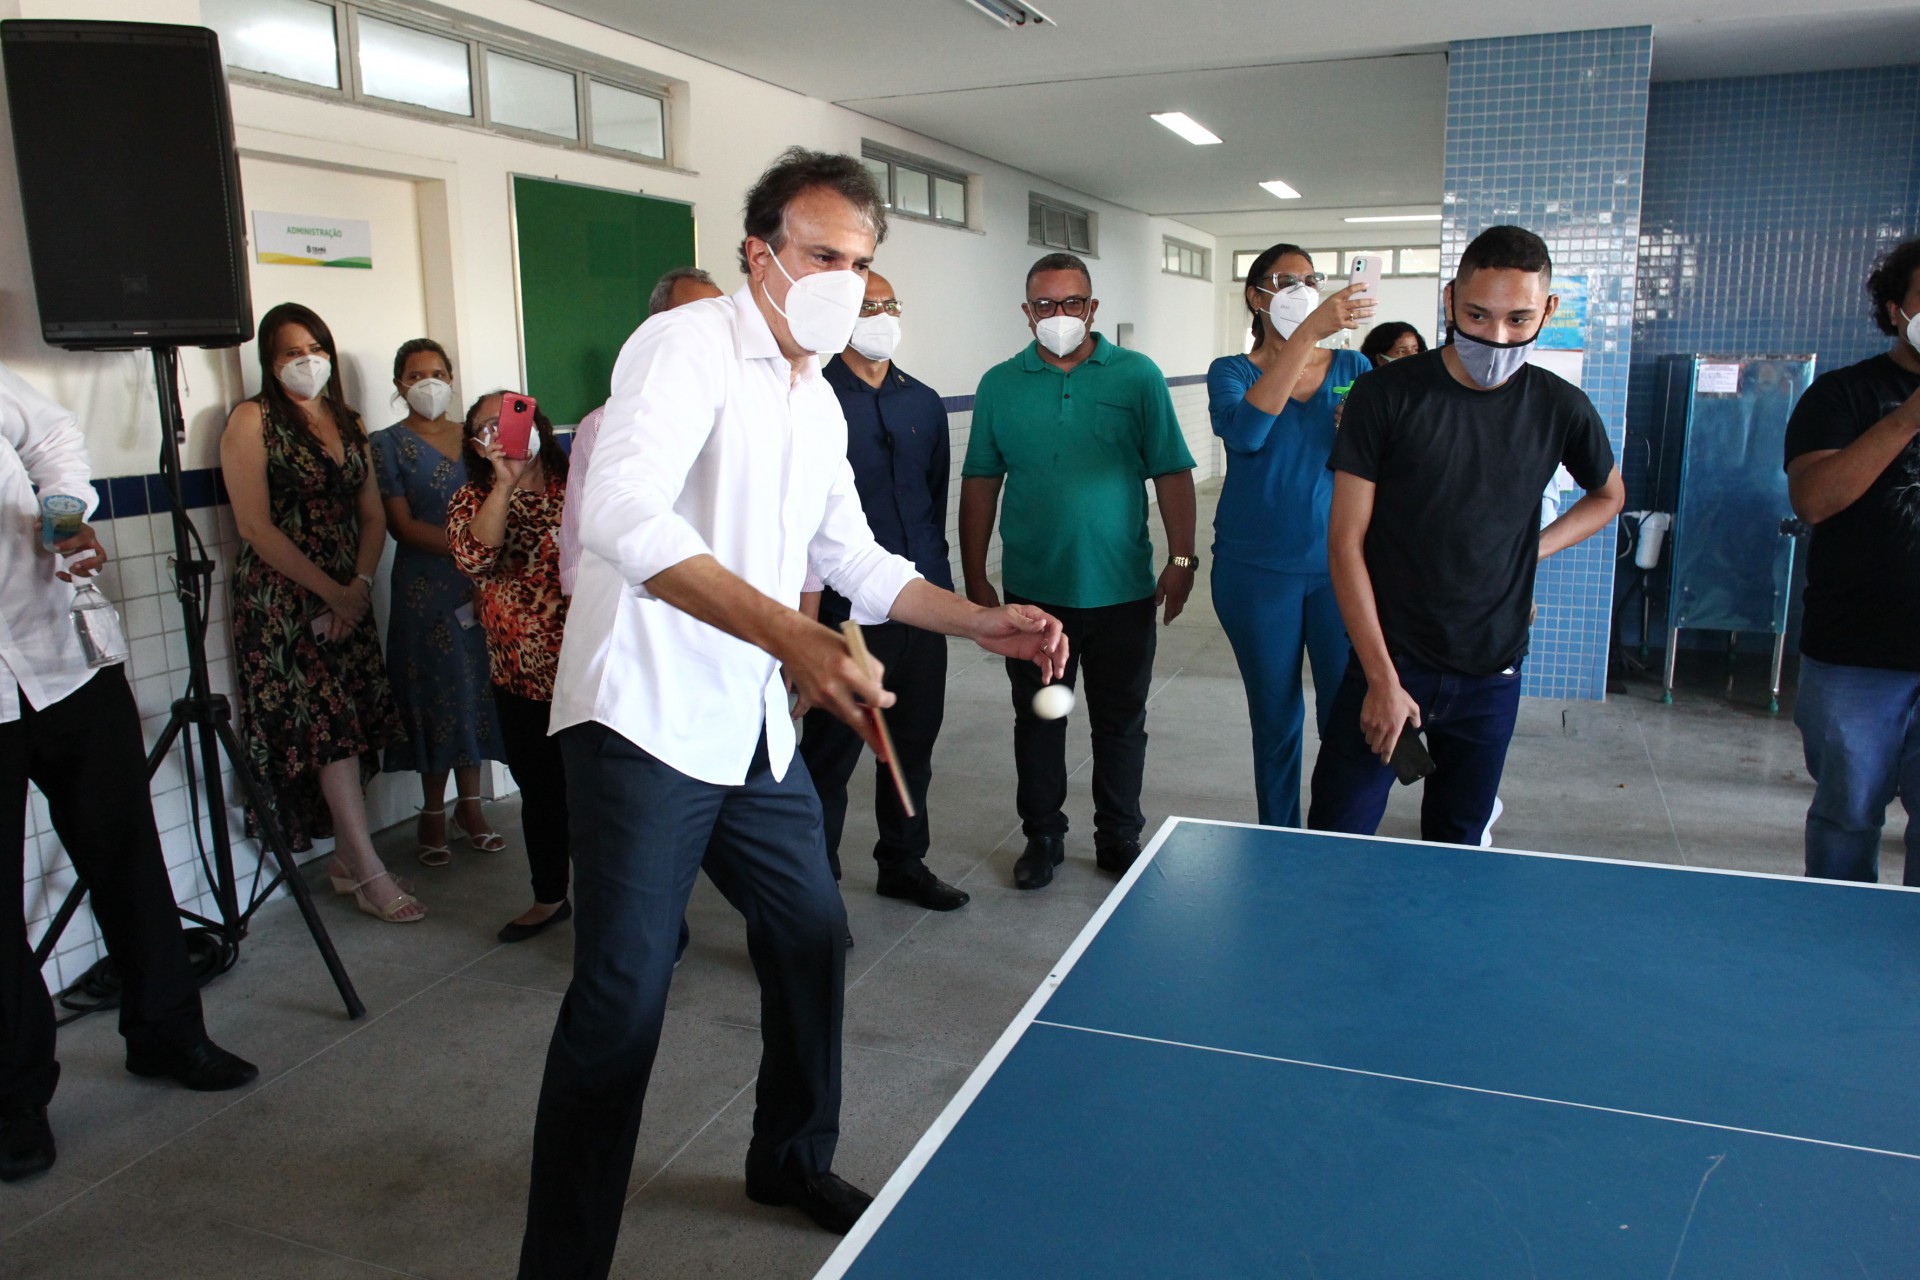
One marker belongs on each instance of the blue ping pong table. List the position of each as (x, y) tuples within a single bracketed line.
[(1287, 1054)]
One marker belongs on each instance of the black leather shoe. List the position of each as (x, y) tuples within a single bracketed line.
[(26, 1142), (1115, 855), (916, 884), (511, 932), (1034, 868), (827, 1198), (205, 1068)]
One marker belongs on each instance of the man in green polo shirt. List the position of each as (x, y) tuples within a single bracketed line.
[(1072, 427)]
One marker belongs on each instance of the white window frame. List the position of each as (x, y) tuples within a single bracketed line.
[(1035, 200), (896, 159), (481, 37), (1203, 256)]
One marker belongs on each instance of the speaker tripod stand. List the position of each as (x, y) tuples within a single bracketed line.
[(205, 718)]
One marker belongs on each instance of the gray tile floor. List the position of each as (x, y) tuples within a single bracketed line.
[(398, 1145)]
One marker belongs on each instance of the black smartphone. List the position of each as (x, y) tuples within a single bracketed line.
[(1410, 760)]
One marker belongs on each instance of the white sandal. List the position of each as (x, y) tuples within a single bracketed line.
[(485, 841), (390, 912), (436, 855)]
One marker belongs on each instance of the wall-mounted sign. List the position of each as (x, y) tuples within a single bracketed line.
[(304, 240), (1567, 331), (1718, 378)]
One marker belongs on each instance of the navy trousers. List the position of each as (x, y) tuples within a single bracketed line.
[(641, 831), (1466, 722)]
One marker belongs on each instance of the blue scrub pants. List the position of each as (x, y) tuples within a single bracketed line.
[(1272, 620)]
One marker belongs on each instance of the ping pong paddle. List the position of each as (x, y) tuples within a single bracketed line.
[(851, 630)]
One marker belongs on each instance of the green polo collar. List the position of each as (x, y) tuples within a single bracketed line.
[(1102, 353)]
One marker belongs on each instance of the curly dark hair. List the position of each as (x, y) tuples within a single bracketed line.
[(275, 395), (480, 471), (797, 171), (1381, 337), (1262, 268), (1505, 248), (1890, 282)]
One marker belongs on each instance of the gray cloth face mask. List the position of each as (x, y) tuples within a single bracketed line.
[(1490, 364)]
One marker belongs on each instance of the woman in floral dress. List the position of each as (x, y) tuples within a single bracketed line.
[(436, 653), (503, 527), (314, 702)]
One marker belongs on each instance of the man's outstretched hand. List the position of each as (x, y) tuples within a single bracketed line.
[(1024, 632)]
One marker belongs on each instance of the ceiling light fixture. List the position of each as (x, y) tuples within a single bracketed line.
[(1280, 190), (1010, 14), (1187, 127), (1397, 217)]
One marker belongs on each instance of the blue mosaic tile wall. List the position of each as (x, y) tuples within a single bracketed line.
[(1548, 132), (1768, 198)]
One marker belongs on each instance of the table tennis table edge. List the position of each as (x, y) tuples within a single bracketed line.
[(923, 1151), (856, 1240)]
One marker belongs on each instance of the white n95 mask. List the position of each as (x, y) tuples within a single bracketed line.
[(1289, 308), (1913, 328), (305, 377), (876, 337), (1061, 335), (429, 398), (821, 308)]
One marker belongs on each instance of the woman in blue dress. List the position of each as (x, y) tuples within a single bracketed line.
[(1275, 409), (436, 654)]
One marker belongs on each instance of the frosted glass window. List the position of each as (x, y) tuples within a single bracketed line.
[(627, 121), (1419, 262), (403, 65), (290, 38), (882, 178), (526, 95), (949, 200), (911, 191)]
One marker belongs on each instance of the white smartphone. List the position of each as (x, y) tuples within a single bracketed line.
[(1365, 269)]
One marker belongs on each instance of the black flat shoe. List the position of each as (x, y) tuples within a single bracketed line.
[(827, 1198), (1115, 855), (511, 932), (205, 1068), (26, 1142), (1034, 868), (915, 884)]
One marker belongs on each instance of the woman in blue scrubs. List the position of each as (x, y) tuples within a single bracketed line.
[(1276, 409)]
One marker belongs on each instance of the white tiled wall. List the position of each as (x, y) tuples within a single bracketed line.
[(139, 579)]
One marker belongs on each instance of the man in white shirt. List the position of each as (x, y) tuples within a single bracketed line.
[(75, 733), (719, 475)]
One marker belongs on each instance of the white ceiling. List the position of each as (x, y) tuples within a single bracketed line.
[(1343, 101)]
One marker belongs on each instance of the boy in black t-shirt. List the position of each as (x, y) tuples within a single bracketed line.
[(1434, 538), (1853, 471)]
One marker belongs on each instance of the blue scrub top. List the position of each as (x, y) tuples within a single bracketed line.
[(1274, 503)]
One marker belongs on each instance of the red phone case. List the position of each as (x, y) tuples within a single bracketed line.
[(516, 423)]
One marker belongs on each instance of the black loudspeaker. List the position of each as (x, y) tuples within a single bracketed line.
[(124, 141)]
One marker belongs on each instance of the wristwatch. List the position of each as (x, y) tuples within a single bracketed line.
[(1185, 562)]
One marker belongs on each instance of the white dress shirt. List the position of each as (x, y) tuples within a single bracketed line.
[(709, 446), (577, 456), (40, 444)]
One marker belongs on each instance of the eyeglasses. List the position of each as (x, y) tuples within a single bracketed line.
[(1286, 280), (890, 306), (1045, 308)]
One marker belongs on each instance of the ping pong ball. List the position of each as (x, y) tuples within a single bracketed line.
[(1053, 701)]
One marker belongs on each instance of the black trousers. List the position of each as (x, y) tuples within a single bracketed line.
[(645, 830), (916, 663), (84, 753), (538, 770), (1114, 645)]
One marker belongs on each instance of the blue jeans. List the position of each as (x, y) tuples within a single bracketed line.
[(1273, 620), (1466, 722), (641, 832), (1862, 741)]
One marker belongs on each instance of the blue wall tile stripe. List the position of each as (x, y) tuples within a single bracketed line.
[(1549, 132)]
